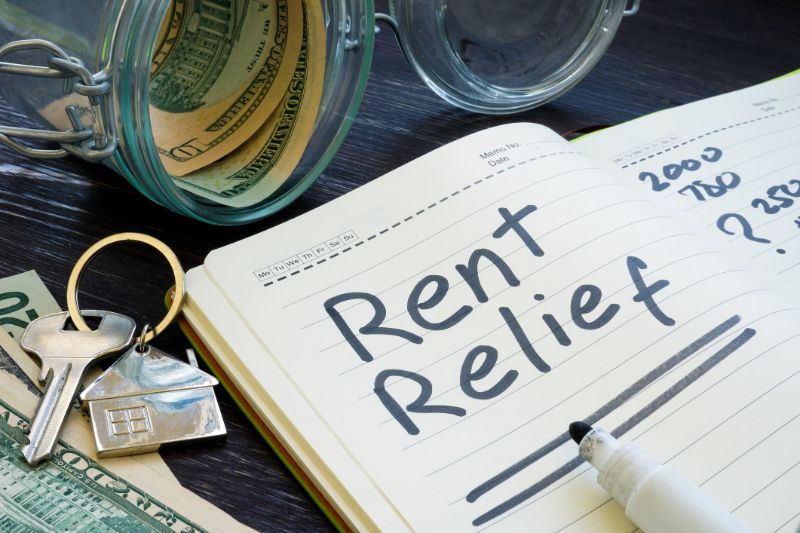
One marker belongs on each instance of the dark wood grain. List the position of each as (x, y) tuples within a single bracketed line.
[(673, 52)]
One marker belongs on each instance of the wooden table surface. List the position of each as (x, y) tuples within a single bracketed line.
[(671, 53)]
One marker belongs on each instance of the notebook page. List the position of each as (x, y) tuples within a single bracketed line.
[(448, 321), (282, 407), (729, 166)]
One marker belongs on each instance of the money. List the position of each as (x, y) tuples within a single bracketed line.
[(26, 395), (17, 366), (243, 149), (263, 163), (23, 298), (73, 491), (208, 50), (168, 34), (221, 78), (10, 368), (27, 388)]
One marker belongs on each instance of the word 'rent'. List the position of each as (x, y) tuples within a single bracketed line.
[(480, 360)]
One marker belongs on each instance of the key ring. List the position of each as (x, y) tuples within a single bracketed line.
[(91, 253)]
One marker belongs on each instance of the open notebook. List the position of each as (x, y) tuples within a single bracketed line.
[(420, 344)]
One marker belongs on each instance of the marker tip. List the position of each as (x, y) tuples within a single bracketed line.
[(578, 430)]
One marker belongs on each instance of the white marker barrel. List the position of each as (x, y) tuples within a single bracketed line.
[(657, 498)]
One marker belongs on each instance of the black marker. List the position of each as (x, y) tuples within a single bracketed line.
[(656, 497)]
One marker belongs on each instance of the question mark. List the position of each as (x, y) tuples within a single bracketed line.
[(747, 229)]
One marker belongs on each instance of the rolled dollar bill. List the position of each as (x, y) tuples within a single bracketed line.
[(265, 161), (208, 50), (168, 34), (219, 76)]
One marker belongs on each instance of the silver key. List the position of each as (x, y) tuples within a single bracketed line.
[(65, 355)]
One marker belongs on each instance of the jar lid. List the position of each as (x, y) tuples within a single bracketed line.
[(504, 56)]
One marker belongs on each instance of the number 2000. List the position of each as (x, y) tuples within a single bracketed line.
[(673, 171)]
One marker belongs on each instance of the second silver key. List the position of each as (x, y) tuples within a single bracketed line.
[(65, 355)]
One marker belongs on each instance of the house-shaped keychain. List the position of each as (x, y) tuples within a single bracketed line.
[(145, 400)]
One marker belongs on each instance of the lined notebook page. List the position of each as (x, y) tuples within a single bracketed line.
[(447, 321), (730, 166)]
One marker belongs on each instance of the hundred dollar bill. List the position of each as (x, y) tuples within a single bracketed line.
[(209, 50), (31, 300), (198, 77), (262, 164), (168, 34), (72, 491)]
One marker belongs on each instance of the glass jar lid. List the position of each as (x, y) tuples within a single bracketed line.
[(504, 56)]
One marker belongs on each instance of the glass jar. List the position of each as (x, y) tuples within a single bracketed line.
[(87, 75), (505, 56)]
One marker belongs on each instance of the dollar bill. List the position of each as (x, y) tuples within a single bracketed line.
[(198, 76), (263, 163), (168, 34), (73, 491), (26, 396), (10, 369), (23, 298), (209, 50), (18, 366)]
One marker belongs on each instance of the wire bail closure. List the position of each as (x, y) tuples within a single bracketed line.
[(148, 333), (93, 143)]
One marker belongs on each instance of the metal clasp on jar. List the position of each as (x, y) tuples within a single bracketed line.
[(94, 142)]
